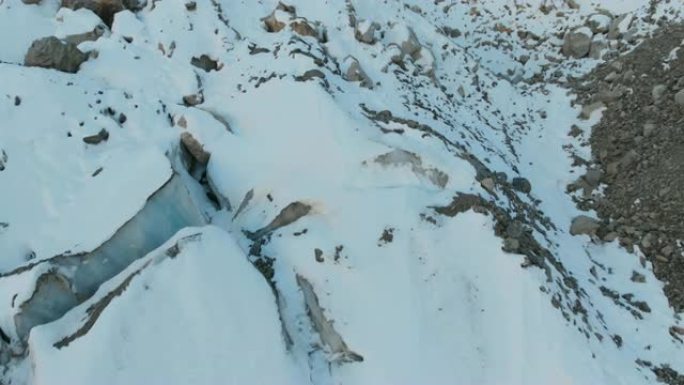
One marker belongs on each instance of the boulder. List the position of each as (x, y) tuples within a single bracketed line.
[(658, 92), (577, 43), (583, 224), (193, 99), (409, 43), (86, 36), (279, 18), (353, 72), (302, 27), (599, 23), (521, 184), (679, 98), (365, 31), (194, 148), (101, 136), (204, 62), (105, 9), (50, 52)]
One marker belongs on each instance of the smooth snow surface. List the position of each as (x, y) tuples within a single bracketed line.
[(423, 298), (183, 319)]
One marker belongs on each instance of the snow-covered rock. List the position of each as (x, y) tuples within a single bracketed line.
[(420, 222)]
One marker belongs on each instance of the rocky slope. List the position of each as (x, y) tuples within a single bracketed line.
[(355, 193)]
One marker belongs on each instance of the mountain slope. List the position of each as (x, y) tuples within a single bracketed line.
[(396, 173)]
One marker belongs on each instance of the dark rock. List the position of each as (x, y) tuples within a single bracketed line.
[(638, 277), (303, 28), (577, 43), (365, 32), (105, 9), (191, 5), (86, 36), (194, 148), (50, 52), (205, 63), (290, 214), (310, 74), (318, 255), (101, 136), (583, 224), (354, 73), (521, 184), (3, 160), (193, 100)]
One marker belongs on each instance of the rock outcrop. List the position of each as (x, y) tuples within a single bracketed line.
[(50, 52)]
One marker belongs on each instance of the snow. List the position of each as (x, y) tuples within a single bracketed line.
[(183, 319), (439, 303), (75, 22)]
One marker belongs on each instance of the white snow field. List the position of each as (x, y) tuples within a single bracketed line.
[(356, 222)]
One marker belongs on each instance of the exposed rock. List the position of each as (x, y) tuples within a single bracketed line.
[(679, 98), (101, 136), (50, 52), (290, 214), (521, 184), (619, 26), (593, 177), (577, 43), (310, 74), (353, 72), (30, 1), (488, 184), (658, 92), (302, 27), (191, 5), (279, 18), (583, 224), (599, 23), (331, 339), (205, 63), (638, 277), (598, 47), (194, 148), (86, 36), (409, 45), (589, 109), (105, 9), (365, 31), (405, 158), (3, 160), (452, 32), (194, 99)]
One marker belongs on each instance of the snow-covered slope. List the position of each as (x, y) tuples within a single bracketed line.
[(384, 200)]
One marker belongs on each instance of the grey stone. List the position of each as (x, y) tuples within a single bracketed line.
[(105, 9), (368, 35), (50, 52), (354, 73), (303, 28), (679, 98), (658, 91), (649, 128), (205, 63), (86, 36), (521, 184), (577, 43), (101, 136), (193, 100), (195, 148), (583, 224)]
